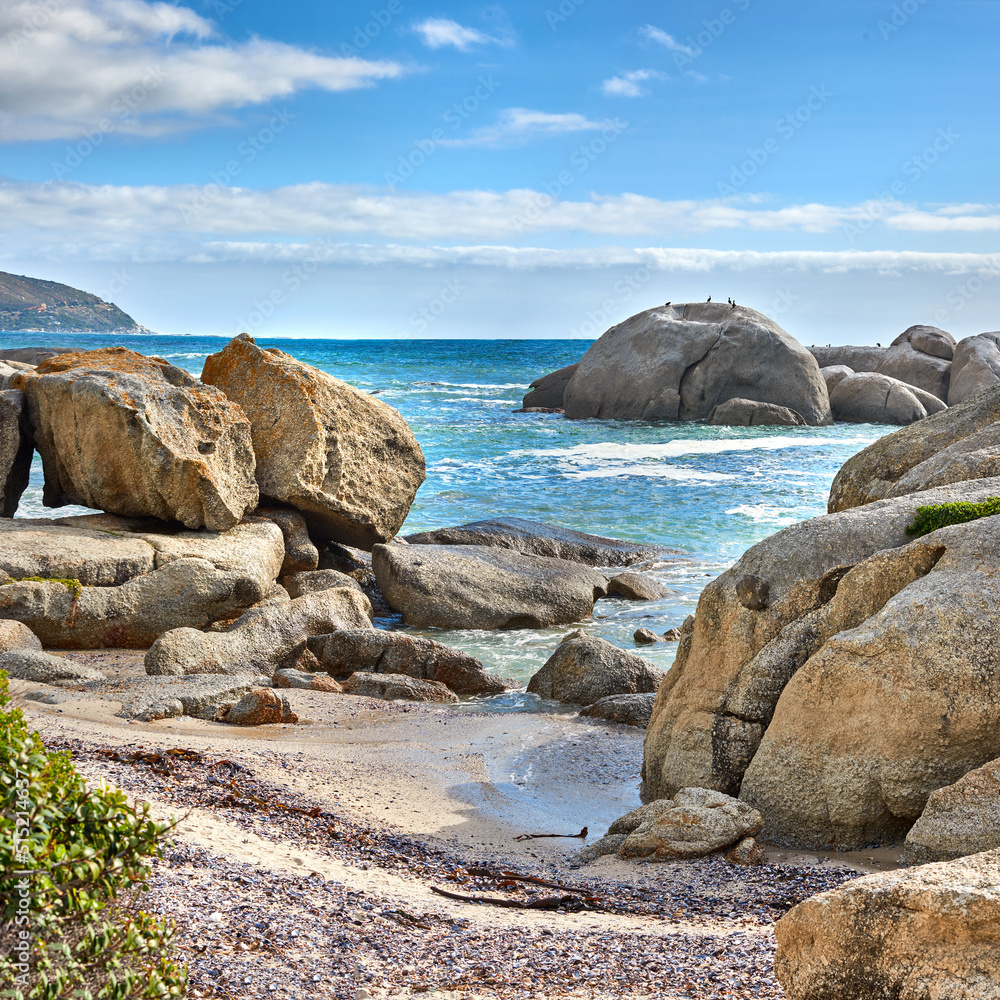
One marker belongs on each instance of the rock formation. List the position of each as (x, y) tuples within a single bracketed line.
[(547, 392), (921, 356), (137, 436), (872, 398), (582, 671), (483, 587), (349, 462), (759, 665), (538, 539), (947, 447), (958, 820), (679, 362), (920, 933), (975, 367)]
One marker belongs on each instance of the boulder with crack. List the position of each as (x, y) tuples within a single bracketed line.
[(873, 398), (678, 362), (261, 639), (761, 620), (916, 934), (138, 436), (376, 651), (346, 460), (921, 356), (902, 697), (483, 587), (582, 671)]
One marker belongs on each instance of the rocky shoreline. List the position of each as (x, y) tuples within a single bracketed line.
[(835, 689)]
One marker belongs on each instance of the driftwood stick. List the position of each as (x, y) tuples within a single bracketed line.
[(582, 835)]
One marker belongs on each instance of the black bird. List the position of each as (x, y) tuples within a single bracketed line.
[(665, 304), (732, 305), (709, 299), (878, 345)]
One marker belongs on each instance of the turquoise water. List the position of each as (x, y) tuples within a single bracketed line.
[(710, 491)]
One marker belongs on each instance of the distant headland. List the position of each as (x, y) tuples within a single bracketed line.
[(49, 307)]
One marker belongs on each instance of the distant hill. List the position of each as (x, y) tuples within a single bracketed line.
[(35, 304)]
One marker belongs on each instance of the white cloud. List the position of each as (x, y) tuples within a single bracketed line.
[(658, 35), (437, 32), (515, 125), (145, 68), (628, 84), (179, 222)]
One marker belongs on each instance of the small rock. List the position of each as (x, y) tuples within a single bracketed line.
[(14, 635), (694, 823), (645, 637), (746, 852), (673, 634), (43, 668), (610, 844), (260, 707), (626, 709), (636, 587), (393, 687), (291, 678), (582, 671)]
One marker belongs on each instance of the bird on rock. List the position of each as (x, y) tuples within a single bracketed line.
[(709, 299)]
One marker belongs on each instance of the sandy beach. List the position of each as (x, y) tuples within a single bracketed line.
[(305, 855)]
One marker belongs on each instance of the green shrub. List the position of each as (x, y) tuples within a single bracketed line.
[(926, 519), (72, 865)]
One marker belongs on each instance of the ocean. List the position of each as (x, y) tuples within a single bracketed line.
[(709, 491)]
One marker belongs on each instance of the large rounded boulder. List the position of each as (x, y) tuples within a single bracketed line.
[(348, 461), (870, 398), (921, 356), (679, 362), (137, 436), (975, 367)]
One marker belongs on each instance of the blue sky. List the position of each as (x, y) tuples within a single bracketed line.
[(405, 169)]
